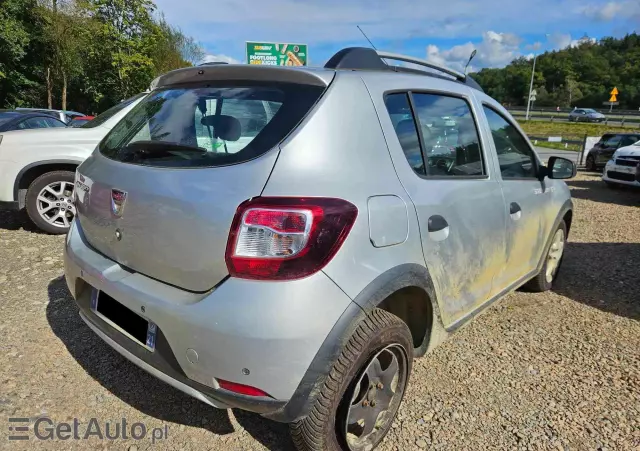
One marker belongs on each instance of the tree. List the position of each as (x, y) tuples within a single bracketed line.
[(580, 76), (20, 53)]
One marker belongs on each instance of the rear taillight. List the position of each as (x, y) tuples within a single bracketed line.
[(282, 238)]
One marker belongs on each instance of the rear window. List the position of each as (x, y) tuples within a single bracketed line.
[(208, 126)]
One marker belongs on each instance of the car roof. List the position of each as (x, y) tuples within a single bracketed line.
[(362, 60)]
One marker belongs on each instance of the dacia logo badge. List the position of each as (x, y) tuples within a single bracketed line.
[(118, 199)]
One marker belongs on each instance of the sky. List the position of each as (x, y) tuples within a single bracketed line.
[(444, 32)]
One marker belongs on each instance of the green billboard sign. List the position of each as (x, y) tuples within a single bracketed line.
[(272, 54)]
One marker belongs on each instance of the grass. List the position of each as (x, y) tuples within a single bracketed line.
[(569, 129), (560, 146)]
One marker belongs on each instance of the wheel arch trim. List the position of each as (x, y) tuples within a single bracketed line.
[(23, 171)]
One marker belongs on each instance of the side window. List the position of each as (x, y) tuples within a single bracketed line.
[(400, 112), (22, 125), (36, 122), (613, 141), (53, 123), (516, 158), (450, 138)]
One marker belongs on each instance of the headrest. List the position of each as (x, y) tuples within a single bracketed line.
[(226, 127)]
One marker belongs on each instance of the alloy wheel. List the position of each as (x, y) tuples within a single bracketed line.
[(55, 204)]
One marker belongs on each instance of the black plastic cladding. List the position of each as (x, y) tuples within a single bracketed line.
[(364, 58)]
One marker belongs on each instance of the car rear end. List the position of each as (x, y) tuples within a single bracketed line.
[(177, 260)]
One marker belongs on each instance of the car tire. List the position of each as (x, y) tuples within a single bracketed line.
[(591, 164), (348, 391), (61, 184), (543, 281)]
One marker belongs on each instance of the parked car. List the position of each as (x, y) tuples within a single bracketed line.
[(20, 120), (295, 267), (62, 115), (37, 167), (586, 115), (79, 121), (623, 167), (598, 156)]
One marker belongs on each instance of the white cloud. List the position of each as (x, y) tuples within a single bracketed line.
[(605, 12), (219, 58), (628, 10), (562, 41), (495, 50)]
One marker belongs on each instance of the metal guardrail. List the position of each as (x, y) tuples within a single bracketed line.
[(604, 111), (622, 121)]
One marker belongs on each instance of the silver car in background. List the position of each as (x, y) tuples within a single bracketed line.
[(586, 115), (287, 240)]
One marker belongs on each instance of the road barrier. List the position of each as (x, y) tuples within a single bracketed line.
[(622, 121), (578, 143)]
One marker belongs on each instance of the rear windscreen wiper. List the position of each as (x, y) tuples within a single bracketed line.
[(147, 147)]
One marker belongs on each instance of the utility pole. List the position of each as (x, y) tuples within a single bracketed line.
[(533, 71)]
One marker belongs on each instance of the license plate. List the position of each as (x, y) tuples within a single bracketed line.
[(129, 323)]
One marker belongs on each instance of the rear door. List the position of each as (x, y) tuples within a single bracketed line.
[(166, 181), (526, 196), (458, 201)]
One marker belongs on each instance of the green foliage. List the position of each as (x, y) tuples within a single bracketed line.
[(581, 76), (98, 52)]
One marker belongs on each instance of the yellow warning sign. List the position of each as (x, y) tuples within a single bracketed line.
[(614, 92), (613, 98)]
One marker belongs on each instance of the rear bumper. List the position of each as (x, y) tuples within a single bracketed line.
[(273, 329)]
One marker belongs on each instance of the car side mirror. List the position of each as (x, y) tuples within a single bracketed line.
[(561, 168)]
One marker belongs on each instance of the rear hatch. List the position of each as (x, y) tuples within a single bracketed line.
[(159, 194)]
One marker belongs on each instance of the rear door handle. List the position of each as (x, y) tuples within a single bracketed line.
[(438, 228), (515, 211)]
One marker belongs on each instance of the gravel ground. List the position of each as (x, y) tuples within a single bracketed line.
[(559, 370)]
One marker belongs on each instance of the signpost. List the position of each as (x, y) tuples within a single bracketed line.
[(613, 100), (275, 54)]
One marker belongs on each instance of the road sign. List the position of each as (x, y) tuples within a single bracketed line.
[(614, 91), (533, 95), (613, 98), (274, 54), (611, 103)]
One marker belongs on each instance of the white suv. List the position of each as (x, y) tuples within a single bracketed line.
[(623, 166), (37, 167)]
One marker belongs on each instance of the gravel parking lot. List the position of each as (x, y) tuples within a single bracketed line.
[(558, 370)]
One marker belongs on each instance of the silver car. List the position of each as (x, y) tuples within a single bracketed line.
[(287, 240), (586, 115)]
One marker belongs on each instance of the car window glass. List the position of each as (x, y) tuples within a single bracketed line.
[(399, 110), (104, 117), (628, 141), (515, 156), (36, 122), (450, 138), (22, 125), (613, 141), (208, 126), (54, 123)]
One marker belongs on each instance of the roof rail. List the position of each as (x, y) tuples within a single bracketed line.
[(364, 58), (420, 62)]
